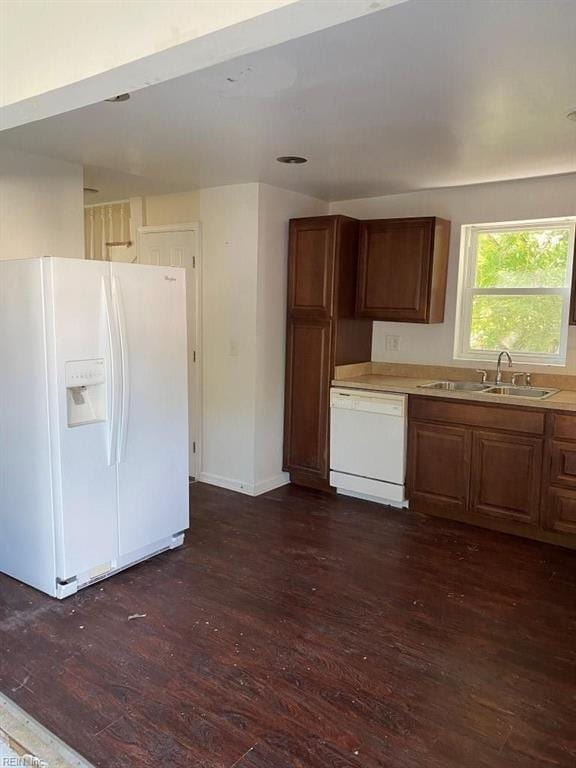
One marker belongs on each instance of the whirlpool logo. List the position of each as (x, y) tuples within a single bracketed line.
[(170, 279)]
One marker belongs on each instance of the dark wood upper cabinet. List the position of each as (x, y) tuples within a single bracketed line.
[(322, 332), (311, 267), (402, 269)]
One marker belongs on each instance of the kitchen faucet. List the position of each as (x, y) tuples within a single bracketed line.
[(499, 366)]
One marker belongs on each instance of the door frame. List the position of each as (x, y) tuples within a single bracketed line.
[(193, 226)]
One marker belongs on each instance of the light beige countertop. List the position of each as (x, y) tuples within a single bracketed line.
[(358, 377)]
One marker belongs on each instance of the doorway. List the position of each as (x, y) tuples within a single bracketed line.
[(178, 245)]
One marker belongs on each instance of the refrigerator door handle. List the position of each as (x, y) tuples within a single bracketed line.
[(114, 368), (125, 396)]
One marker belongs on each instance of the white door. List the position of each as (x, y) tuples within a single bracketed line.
[(86, 482), (179, 248), (153, 430)]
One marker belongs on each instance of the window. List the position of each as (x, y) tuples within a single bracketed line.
[(514, 291)]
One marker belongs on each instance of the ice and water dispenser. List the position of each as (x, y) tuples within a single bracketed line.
[(85, 392)]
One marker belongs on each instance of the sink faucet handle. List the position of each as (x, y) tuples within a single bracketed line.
[(517, 375), (484, 374)]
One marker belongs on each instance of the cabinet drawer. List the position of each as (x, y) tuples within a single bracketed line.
[(563, 463), (484, 416), (564, 427), (560, 512)]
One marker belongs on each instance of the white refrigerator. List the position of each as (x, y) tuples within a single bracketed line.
[(93, 418)]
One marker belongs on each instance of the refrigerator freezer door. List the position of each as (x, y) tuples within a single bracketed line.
[(26, 512), (153, 435), (85, 484)]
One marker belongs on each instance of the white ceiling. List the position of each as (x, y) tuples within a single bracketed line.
[(429, 93)]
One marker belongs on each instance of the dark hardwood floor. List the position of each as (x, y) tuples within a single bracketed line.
[(299, 630)]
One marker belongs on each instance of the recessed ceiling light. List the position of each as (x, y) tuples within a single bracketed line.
[(120, 97), (292, 160), (571, 115), (92, 190)]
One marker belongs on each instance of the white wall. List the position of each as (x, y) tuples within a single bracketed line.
[(504, 201), (93, 49), (177, 208), (276, 208), (41, 207), (229, 228), (229, 219), (244, 258), (78, 39)]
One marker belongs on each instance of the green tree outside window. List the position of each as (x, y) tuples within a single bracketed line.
[(519, 289)]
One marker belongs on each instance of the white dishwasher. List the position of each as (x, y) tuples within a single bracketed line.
[(368, 444)]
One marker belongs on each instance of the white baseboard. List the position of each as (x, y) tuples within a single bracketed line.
[(249, 489), (227, 482), (273, 482)]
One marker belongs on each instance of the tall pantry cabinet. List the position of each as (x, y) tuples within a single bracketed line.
[(322, 332)]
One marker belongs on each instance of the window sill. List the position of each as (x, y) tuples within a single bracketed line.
[(517, 362)]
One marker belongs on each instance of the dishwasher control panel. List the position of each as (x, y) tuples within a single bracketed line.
[(370, 402)]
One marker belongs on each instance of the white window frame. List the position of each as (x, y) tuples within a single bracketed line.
[(467, 291)]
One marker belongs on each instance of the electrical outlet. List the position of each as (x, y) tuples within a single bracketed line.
[(392, 343)]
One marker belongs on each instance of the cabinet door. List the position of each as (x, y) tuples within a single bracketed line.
[(438, 467), (559, 514), (307, 397), (311, 267), (394, 269), (506, 472)]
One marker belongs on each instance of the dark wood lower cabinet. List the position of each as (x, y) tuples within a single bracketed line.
[(516, 476), (465, 472), (307, 387), (505, 480)]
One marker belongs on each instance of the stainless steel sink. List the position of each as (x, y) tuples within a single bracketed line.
[(510, 391), (535, 393), (457, 386)]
